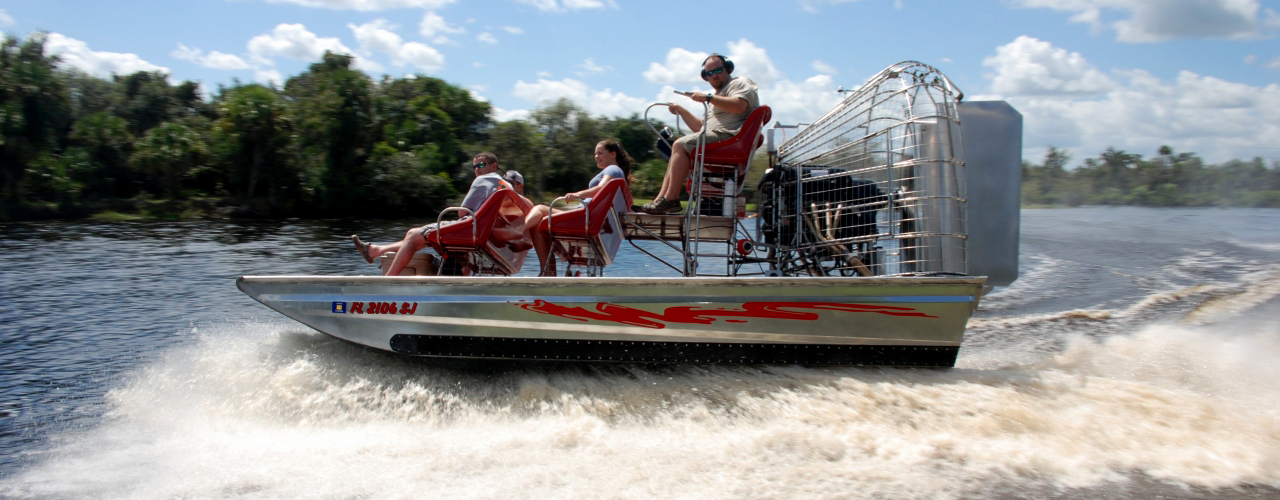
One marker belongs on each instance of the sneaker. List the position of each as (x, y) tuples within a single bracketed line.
[(662, 206)]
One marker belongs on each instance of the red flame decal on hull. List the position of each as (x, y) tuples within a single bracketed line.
[(615, 313)]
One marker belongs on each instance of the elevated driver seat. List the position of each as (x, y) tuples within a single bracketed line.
[(729, 159)]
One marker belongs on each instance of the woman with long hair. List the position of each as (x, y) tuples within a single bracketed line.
[(614, 163)]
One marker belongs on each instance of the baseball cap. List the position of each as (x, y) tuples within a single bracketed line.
[(514, 176)]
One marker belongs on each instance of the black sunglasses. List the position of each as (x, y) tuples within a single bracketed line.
[(710, 72), (478, 165)]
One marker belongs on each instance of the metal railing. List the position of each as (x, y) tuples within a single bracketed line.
[(876, 186)]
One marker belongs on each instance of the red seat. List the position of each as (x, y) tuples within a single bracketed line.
[(472, 237), (736, 151), (591, 235), (730, 158)]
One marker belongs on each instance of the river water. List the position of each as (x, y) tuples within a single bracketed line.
[(1138, 355)]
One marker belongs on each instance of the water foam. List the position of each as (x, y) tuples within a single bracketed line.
[(1030, 286), (269, 411), (1257, 289)]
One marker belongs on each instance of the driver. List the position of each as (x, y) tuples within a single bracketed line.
[(734, 98)]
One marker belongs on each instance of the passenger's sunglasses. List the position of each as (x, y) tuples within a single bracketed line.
[(478, 165)]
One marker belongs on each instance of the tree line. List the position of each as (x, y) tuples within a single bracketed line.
[(329, 142), (1167, 179), (333, 142)]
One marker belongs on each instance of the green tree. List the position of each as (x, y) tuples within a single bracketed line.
[(251, 135), (420, 110), (634, 135), (405, 185), (518, 147), (89, 94), (332, 105), (145, 100), (53, 177), (106, 139), (569, 136), (167, 155), (34, 109)]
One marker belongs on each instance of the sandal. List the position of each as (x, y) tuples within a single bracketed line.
[(363, 248)]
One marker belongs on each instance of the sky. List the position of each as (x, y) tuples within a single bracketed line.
[(1199, 76)]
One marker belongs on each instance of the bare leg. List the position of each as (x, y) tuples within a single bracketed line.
[(377, 250), (541, 243), (546, 260), (677, 170), (404, 249)]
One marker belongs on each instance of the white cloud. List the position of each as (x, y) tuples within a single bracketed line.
[(219, 60), (435, 28), (486, 37), (368, 5), (505, 115), (498, 114), (1274, 64), (801, 102), (1206, 92), (683, 67), (1250, 59), (544, 74), (296, 42), (214, 60), (77, 54), (791, 101), (1028, 66), (753, 62), (812, 6), (596, 102), (590, 67), (377, 36), (824, 68), (186, 53), (6, 19), (1139, 112), (514, 30), (1160, 20), (268, 77), (568, 5), (422, 56)]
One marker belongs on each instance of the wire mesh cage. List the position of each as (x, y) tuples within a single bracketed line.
[(874, 187)]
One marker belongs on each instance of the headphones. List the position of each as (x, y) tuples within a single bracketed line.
[(728, 65)]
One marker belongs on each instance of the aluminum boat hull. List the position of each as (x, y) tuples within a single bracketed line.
[(899, 321)]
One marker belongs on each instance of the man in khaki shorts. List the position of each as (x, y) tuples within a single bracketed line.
[(734, 98)]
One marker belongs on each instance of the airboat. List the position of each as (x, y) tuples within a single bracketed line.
[(879, 226)]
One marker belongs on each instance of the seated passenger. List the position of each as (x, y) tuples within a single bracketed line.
[(734, 98), (517, 182), (614, 163), (487, 182)]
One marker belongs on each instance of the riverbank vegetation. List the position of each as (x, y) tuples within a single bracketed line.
[(330, 142), (333, 142), (1167, 179)]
